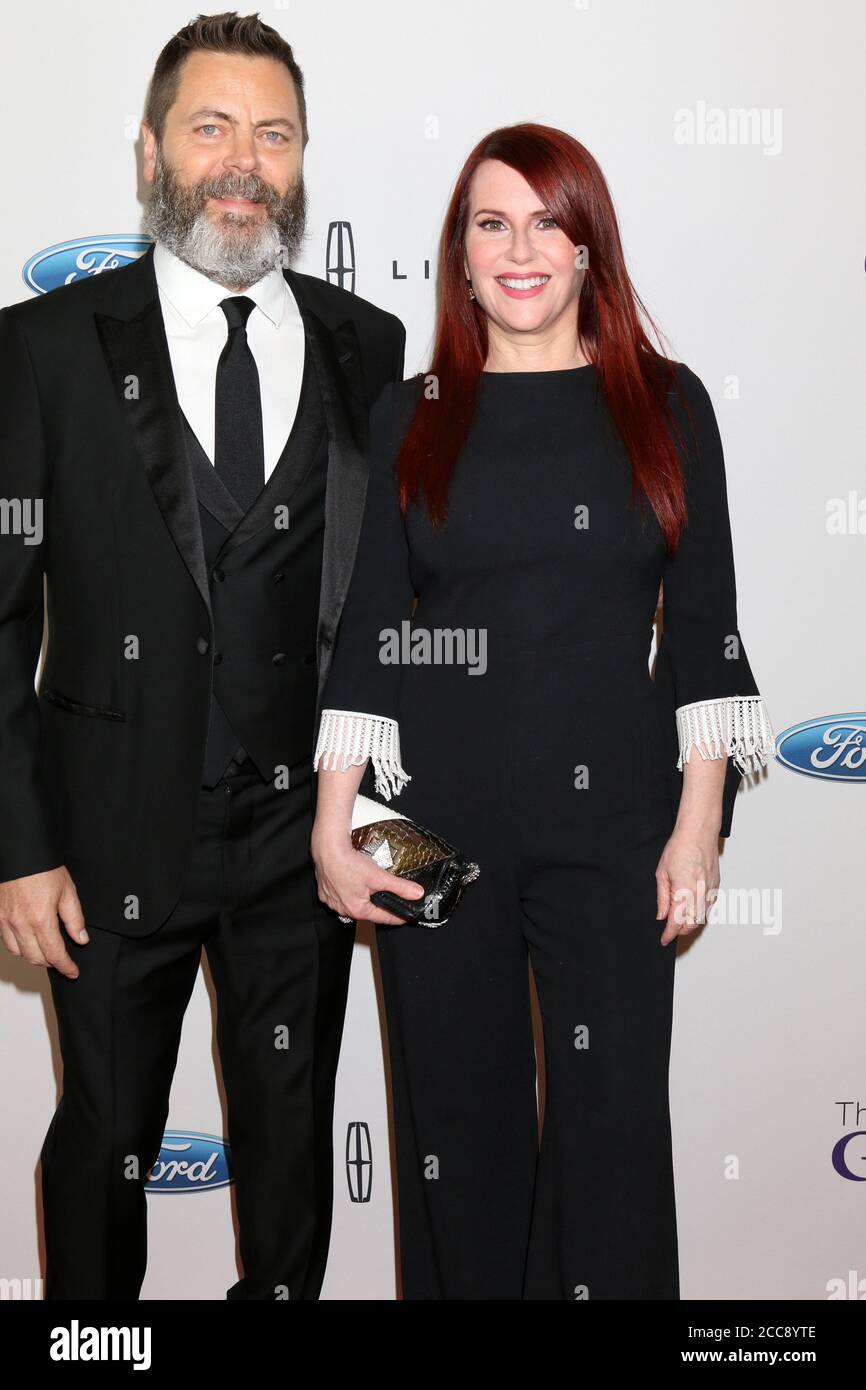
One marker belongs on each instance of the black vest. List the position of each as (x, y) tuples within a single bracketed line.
[(265, 569)]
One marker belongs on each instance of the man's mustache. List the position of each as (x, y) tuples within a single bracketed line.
[(232, 186)]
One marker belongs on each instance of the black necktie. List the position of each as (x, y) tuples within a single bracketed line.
[(239, 451)]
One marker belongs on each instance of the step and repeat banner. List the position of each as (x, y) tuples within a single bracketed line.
[(733, 139)]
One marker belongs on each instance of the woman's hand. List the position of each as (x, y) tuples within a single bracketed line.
[(346, 878), (687, 879)]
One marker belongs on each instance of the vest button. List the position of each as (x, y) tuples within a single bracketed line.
[(217, 658), (279, 659), (203, 645), (218, 575), (279, 577)]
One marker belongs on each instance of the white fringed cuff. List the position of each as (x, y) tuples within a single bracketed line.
[(739, 726), (347, 738)]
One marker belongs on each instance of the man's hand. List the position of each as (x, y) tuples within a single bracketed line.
[(29, 909)]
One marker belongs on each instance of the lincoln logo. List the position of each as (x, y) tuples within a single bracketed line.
[(340, 256), (80, 259), (190, 1162), (359, 1161), (833, 747)]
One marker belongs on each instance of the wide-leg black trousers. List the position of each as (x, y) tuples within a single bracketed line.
[(553, 781), (280, 963)]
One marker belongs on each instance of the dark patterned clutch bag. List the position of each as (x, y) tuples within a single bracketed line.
[(406, 849)]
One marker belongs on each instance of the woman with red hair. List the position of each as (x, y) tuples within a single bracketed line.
[(529, 494)]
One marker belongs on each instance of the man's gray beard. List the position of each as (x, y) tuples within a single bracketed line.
[(229, 251)]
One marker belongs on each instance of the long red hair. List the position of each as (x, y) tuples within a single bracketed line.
[(633, 376)]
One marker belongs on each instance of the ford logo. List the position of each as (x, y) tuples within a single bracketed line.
[(75, 260), (190, 1162), (833, 747)]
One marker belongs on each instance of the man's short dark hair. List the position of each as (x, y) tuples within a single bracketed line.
[(217, 33)]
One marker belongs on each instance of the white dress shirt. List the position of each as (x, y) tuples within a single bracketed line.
[(197, 330)]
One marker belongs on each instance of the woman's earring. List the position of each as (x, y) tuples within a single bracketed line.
[(471, 291)]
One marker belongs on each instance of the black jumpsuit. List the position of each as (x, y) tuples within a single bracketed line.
[(522, 709)]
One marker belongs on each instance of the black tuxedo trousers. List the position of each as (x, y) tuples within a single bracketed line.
[(280, 964)]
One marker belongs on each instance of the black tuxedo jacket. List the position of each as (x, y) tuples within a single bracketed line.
[(101, 771)]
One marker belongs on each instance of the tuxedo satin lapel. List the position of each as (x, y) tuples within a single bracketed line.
[(140, 367), (337, 360)]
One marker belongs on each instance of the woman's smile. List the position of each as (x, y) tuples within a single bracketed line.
[(522, 286)]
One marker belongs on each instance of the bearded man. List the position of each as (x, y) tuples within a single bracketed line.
[(194, 426)]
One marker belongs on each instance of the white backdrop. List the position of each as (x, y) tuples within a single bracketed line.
[(748, 250)]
